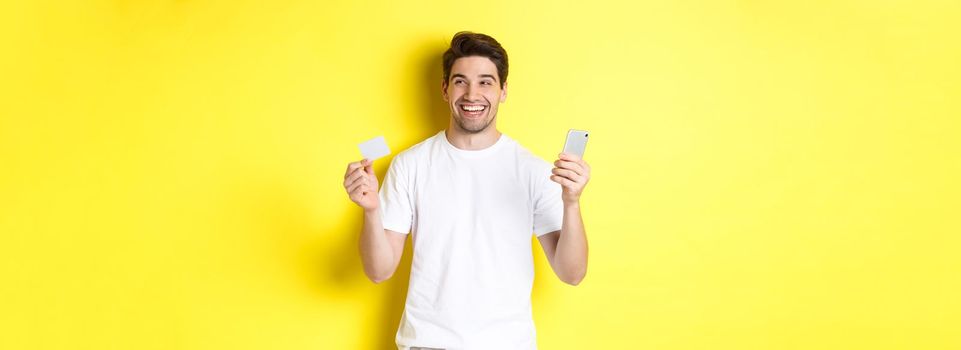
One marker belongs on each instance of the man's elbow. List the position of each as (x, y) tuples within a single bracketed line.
[(574, 278), (378, 277)]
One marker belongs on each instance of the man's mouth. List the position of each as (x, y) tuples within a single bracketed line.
[(472, 110)]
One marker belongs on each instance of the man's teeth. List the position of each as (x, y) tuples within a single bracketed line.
[(472, 108)]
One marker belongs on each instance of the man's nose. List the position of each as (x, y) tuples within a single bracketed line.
[(471, 93)]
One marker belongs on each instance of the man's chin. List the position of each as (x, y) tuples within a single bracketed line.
[(473, 126)]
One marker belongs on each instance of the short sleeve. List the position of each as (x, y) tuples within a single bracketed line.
[(548, 206), (395, 198)]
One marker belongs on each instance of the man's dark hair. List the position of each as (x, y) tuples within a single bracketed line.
[(465, 44)]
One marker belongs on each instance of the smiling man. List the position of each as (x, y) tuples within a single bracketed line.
[(471, 198)]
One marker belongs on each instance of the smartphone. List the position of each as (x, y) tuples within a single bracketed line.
[(576, 142)]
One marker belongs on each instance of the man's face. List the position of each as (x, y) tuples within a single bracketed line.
[(473, 93)]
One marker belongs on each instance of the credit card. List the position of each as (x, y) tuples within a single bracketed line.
[(374, 148)]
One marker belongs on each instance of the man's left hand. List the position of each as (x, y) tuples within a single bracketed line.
[(572, 173)]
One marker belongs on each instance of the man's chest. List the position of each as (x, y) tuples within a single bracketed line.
[(458, 194)]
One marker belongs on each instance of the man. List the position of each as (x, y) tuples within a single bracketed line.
[(471, 197)]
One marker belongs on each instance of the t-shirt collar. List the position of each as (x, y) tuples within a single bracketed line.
[(471, 153)]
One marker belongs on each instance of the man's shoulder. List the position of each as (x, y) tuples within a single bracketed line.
[(415, 152), (528, 158)]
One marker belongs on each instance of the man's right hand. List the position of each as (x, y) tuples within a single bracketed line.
[(361, 184)]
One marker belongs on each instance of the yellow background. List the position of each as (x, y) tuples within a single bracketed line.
[(767, 175)]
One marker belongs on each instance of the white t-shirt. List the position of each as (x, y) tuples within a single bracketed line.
[(472, 214)]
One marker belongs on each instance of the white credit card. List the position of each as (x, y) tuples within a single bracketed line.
[(374, 148)]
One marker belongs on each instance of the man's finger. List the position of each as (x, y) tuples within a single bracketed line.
[(567, 173), (571, 178), (569, 165), (562, 180), (353, 176), (576, 159), (360, 178), (355, 185), (570, 157), (353, 166)]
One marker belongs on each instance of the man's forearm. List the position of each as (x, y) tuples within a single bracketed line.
[(375, 250), (571, 253)]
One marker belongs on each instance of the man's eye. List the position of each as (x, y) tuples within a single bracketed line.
[(487, 83), (459, 82)]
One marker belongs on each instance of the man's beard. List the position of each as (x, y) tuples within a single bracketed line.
[(473, 127)]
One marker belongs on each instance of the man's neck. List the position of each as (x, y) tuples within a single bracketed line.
[(472, 142)]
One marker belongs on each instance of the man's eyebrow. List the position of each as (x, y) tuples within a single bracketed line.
[(458, 75)]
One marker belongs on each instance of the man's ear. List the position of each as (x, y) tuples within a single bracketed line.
[(443, 87), (504, 93)]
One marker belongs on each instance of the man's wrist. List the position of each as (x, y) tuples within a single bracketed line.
[(574, 204)]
